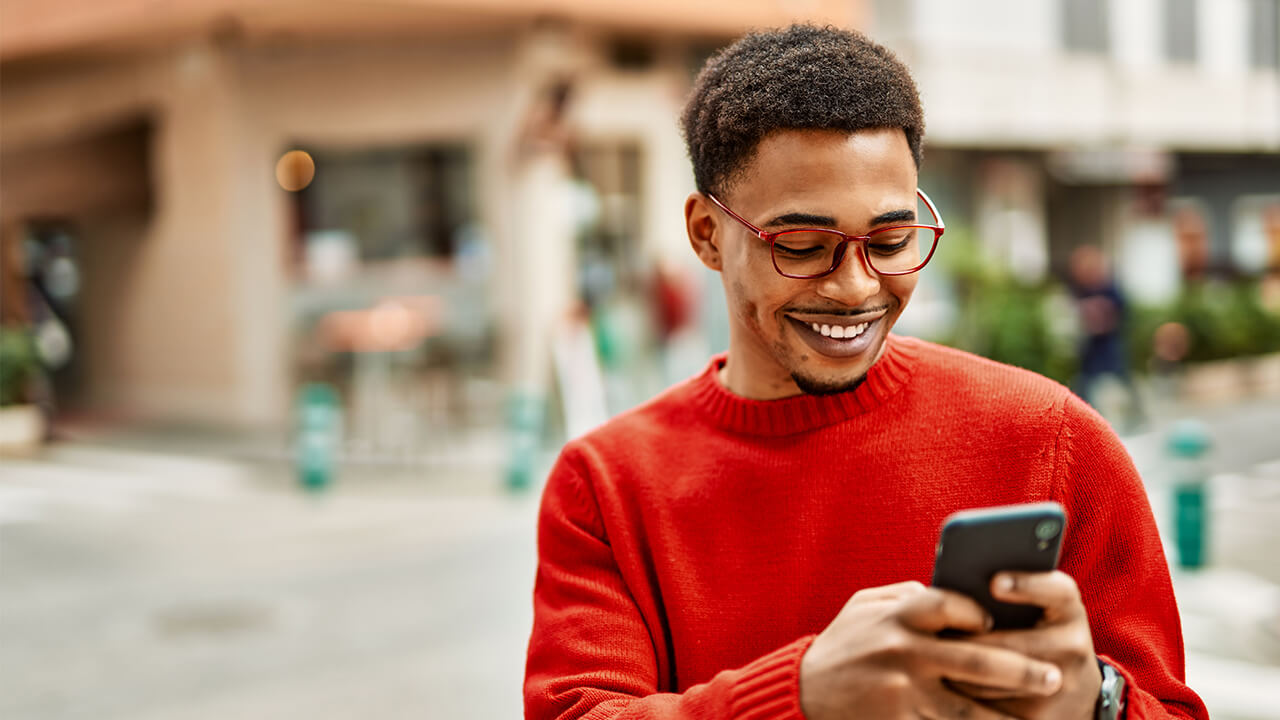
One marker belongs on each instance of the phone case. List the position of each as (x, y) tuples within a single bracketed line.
[(976, 544)]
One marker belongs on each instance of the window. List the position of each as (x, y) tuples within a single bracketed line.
[(632, 54), (609, 183), (1264, 34), (1084, 25), (1255, 233), (1180, 30), (392, 202)]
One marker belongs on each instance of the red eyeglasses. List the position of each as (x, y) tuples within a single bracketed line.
[(806, 253)]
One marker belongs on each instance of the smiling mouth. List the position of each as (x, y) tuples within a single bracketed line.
[(832, 336)]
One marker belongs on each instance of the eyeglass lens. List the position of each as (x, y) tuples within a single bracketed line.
[(889, 250)]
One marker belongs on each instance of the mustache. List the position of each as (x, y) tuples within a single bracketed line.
[(842, 311)]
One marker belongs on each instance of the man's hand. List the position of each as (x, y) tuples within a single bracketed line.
[(881, 658), (1062, 637)]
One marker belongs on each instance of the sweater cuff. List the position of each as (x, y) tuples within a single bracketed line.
[(769, 688)]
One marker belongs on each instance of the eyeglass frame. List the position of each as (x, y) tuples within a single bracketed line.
[(840, 251)]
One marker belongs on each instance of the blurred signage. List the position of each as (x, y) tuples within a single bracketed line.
[(395, 324), (1111, 166)]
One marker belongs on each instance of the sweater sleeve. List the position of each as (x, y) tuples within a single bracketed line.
[(591, 653), (1114, 553)]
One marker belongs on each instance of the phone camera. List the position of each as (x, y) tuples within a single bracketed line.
[(1048, 529)]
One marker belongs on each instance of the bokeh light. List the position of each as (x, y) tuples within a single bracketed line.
[(295, 170)]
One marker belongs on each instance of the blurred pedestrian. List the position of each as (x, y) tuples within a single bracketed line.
[(694, 551), (543, 209), (674, 295), (1103, 317)]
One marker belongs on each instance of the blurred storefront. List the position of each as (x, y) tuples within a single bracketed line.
[(471, 172), (469, 177), (1149, 129)]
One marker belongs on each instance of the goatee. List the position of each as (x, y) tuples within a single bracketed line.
[(811, 386)]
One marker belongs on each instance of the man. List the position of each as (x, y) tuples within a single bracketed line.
[(753, 543), (1102, 310)]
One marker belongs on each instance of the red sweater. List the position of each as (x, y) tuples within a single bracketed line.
[(689, 550)]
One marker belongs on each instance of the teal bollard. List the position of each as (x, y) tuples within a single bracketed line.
[(319, 432), (1187, 443), (526, 413)]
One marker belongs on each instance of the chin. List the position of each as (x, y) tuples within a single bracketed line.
[(816, 386)]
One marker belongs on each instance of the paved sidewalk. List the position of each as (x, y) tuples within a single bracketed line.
[(1230, 608), (140, 586), (144, 585)]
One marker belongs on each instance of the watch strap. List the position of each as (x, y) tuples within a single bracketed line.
[(1110, 705)]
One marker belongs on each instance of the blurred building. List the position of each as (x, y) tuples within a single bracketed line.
[(468, 166), (473, 169), (1148, 127)]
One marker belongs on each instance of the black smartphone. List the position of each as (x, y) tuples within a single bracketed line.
[(976, 544)]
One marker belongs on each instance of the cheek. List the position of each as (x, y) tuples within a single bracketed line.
[(902, 287), (743, 305), (753, 291)]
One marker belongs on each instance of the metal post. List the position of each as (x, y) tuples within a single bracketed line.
[(1188, 442), (319, 434)]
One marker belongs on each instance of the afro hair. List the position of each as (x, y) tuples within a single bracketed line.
[(800, 77)]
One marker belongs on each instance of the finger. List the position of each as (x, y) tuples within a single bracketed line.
[(1055, 591), (943, 704), (890, 592), (935, 610), (992, 667), (981, 692), (1045, 641)]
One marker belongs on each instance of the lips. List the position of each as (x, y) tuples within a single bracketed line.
[(837, 347)]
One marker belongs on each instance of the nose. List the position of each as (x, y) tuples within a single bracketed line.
[(853, 281)]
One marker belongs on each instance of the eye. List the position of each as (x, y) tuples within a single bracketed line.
[(891, 240), (790, 249), (804, 243)]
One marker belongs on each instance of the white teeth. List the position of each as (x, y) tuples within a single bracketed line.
[(840, 332)]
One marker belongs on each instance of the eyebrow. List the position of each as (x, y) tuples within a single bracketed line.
[(826, 221), (798, 218)]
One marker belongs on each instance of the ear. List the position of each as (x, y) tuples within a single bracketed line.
[(701, 222)]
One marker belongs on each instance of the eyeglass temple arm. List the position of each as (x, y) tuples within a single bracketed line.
[(929, 204), (759, 233)]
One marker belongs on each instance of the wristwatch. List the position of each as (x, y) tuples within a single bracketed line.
[(1111, 696)]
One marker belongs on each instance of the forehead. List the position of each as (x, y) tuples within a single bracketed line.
[(820, 166)]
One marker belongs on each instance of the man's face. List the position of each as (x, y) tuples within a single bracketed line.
[(807, 178)]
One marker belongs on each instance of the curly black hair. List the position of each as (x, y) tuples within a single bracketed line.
[(800, 77)]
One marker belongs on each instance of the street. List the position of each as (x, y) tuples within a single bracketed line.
[(211, 594), (140, 585)]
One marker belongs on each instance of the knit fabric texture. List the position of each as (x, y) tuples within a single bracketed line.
[(690, 549)]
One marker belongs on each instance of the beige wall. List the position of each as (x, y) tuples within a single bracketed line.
[(985, 86), (30, 28), (192, 320), (977, 99), (183, 303)]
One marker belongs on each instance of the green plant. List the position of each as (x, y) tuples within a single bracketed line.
[(1004, 319), (18, 365), (1223, 320)]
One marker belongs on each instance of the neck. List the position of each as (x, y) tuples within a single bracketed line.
[(736, 377)]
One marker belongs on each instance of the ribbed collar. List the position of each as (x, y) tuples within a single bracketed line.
[(801, 413)]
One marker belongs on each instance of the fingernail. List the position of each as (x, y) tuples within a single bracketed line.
[(1004, 583), (988, 622), (1052, 678)]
